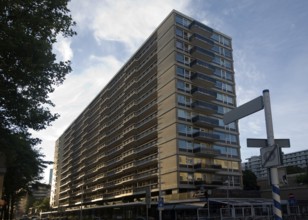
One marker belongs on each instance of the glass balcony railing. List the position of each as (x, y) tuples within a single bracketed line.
[(204, 136), (205, 121)]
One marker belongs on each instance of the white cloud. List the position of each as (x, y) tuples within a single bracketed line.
[(125, 21), (63, 48), (73, 96)]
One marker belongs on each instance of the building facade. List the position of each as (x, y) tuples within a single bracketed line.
[(299, 159), (156, 129)]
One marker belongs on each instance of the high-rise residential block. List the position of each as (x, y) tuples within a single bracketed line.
[(156, 129)]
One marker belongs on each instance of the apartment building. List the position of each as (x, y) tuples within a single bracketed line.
[(299, 159), (156, 128)]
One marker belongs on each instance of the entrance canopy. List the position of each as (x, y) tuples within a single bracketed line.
[(242, 201)]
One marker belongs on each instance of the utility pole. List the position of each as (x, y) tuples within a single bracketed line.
[(270, 147), (271, 142)]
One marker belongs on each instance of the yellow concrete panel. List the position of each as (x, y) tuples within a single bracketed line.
[(165, 93), (166, 63), (165, 50), (167, 24), (168, 149), (165, 78)]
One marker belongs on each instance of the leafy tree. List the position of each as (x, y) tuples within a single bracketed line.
[(294, 169), (302, 179), (42, 205), (250, 180), (24, 165), (29, 71), (28, 67)]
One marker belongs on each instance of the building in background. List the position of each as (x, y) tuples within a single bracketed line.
[(38, 192), (298, 159), (50, 176), (156, 129)]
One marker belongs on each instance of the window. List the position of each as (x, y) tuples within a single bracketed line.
[(215, 48), (181, 33), (184, 100), (227, 64), (182, 59), (222, 110), (229, 126), (186, 162), (184, 130), (182, 21), (223, 74), (182, 46), (180, 71), (229, 151), (184, 115), (185, 146), (221, 39), (225, 99), (183, 86), (227, 138)]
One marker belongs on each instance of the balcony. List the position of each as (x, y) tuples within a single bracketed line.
[(148, 96), (201, 29), (147, 135), (207, 152), (204, 107), (147, 122), (202, 80), (204, 136), (202, 54), (131, 65), (203, 121), (130, 96), (204, 42), (203, 94), (207, 167), (203, 67), (147, 61), (130, 119), (147, 109), (147, 85)]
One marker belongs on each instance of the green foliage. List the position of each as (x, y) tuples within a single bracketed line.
[(42, 205), (29, 72), (294, 169), (302, 179), (28, 67), (250, 180)]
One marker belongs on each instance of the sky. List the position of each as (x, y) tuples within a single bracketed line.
[(270, 51)]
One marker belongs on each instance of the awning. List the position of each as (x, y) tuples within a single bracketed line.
[(194, 205), (178, 206), (242, 201)]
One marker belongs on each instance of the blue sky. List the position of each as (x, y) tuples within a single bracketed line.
[(270, 50)]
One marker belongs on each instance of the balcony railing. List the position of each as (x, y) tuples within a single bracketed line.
[(206, 151), (203, 79), (205, 121), (207, 167), (204, 107), (204, 136), (203, 93)]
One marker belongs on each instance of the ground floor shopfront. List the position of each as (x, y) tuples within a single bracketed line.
[(218, 208)]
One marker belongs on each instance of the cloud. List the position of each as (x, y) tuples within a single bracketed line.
[(63, 48), (77, 91), (129, 22)]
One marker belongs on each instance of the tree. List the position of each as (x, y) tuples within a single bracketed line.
[(250, 180), (24, 165), (42, 205), (28, 67), (294, 169), (29, 72)]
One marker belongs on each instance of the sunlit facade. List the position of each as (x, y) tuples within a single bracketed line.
[(157, 125)]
